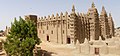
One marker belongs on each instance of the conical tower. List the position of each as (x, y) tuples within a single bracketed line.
[(93, 18), (73, 19), (104, 24), (104, 13), (111, 25)]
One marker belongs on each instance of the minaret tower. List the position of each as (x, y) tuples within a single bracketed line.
[(94, 22), (111, 24), (73, 20), (104, 24)]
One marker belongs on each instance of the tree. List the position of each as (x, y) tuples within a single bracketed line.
[(22, 38), (1, 31)]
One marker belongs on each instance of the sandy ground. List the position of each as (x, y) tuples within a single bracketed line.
[(57, 49), (64, 50), (61, 50)]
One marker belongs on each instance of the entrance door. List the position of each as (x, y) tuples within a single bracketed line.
[(68, 40), (96, 51), (47, 38)]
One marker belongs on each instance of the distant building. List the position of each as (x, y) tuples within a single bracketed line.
[(68, 28)]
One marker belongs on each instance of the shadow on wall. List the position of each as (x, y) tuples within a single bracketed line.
[(44, 53)]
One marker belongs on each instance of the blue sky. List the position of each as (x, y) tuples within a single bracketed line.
[(9, 9)]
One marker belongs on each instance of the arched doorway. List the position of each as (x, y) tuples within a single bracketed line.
[(48, 38), (68, 40)]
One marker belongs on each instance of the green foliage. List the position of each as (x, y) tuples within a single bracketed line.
[(22, 38), (1, 31)]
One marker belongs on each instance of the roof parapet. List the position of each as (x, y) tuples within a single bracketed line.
[(66, 13), (52, 16), (61, 14), (86, 41), (57, 14)]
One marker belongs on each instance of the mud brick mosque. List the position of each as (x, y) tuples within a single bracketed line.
[(65, 28)]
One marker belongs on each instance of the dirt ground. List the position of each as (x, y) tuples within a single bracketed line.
[(57, 49), (60, 49), (54, 49)]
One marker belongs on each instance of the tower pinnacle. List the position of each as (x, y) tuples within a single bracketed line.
[(93, 5), (103, 11), (73, 8)]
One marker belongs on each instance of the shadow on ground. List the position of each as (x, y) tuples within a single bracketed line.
[(44, 53)]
